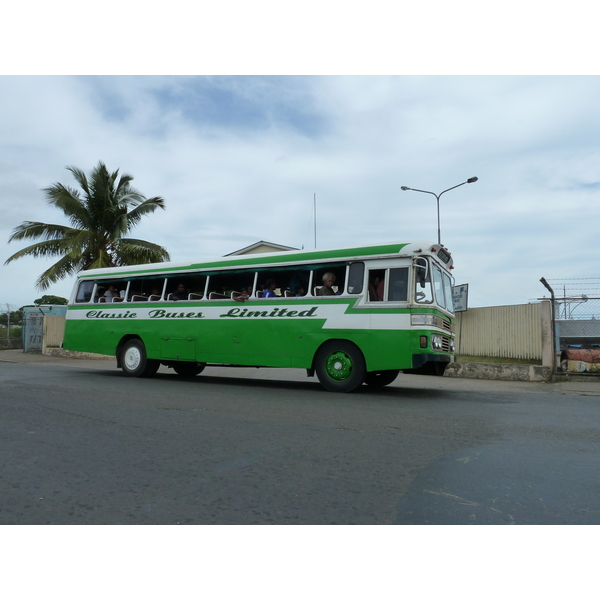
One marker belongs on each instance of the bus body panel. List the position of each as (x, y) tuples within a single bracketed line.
[(278, 332), (262, 333)]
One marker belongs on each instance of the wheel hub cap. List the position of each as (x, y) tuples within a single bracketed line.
[(132, 359), (338, 366)]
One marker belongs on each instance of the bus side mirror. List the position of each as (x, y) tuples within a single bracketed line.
[(422, 271)]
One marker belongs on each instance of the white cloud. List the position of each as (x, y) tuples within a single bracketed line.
[(238, 159)]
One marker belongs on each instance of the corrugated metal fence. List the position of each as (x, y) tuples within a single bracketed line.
[(500, 331)]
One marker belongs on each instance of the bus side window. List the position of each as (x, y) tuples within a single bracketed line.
[(356, 275), (184, 287), (376, 284), (398, 285), (84, 292)]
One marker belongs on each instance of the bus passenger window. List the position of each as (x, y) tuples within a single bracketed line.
[(107, 291), (356, 275), (329, 280), (398, 285), (186, 286), (180, 293), (376, 285), (298, 284), (84, 292), (328, 288)]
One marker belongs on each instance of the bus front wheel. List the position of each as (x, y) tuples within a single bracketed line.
[(340, 366), (134, 361)]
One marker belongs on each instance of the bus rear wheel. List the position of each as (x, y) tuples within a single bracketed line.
[(134, 361), (381, 378), (340, 366), (188, 369)]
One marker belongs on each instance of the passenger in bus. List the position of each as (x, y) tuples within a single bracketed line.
[(379, 290), (240, 296), (100, 295), (376, 287), (270, 291), (180, 293), (111, 293), (327, 289), (300, 291)]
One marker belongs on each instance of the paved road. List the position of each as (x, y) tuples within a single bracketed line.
[(80, 443)]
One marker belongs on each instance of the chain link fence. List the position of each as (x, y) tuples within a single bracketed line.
[(10, 327), (576, 312)]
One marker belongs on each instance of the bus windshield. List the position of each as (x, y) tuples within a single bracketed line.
[(443, 288), (423, 291)]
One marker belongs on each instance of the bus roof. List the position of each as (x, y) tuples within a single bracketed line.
[(266, 259)]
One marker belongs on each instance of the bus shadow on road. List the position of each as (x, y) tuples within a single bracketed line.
[(313, 387), (309, 385)]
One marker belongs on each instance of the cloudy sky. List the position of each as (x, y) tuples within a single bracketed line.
[(238, 158)]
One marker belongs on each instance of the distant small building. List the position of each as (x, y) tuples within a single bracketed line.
[(260, 248), (34, 319)]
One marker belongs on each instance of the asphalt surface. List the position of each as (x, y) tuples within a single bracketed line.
[(82, 444)]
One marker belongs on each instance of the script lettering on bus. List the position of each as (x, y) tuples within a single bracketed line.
[(276, 312), (159, 313), (102, 314), (153, 314)]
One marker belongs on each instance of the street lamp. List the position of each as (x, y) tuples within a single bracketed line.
[(437, 197)]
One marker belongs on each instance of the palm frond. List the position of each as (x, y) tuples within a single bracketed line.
[(123, 184), (100, 217), (129, 196), (41, 249), (130, 251), (81, 179), (35, 229), (69, 201), (145, 208), (65, 267)]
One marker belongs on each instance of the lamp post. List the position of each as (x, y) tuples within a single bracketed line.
[(437, 197)]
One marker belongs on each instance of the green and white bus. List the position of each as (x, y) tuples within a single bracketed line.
[(389, 310)]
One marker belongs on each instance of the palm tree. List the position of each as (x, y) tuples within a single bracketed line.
[(106, 211)]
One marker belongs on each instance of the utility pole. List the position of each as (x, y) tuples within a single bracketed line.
[(315, 217), (437, 197)]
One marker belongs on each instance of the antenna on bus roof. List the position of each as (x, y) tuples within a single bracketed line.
[(315, 218)]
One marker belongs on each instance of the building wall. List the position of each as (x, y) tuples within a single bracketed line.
[(262, 249), (33, 325), (54, 331), (501, 331)]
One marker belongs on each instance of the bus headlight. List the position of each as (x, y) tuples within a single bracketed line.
[(451, 345), (436, 342), (423, 320)]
